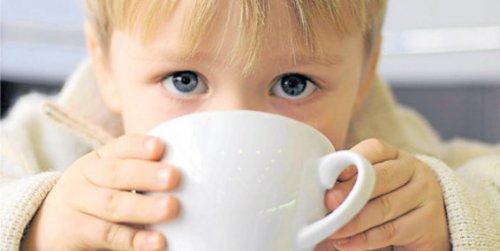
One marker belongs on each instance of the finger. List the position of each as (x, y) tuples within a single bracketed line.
[(384, 209), (390, 233), (393, 174), (125, 207), (135, 146), (335, 196), (348, 173), (99, 234), (133, 174), (390, 175), (326, 245), (374, 150)]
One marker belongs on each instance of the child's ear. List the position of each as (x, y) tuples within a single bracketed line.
[(102, 69), (369, 74)]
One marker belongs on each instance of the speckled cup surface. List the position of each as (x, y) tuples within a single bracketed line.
[(255, 181)]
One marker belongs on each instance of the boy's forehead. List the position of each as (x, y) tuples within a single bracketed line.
[(216, 49), (280, 39), (202, 55)]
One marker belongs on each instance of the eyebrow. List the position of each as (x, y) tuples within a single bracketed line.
[(297, 59), (306, 59)]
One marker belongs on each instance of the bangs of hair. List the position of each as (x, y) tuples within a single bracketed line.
[(310, 18)]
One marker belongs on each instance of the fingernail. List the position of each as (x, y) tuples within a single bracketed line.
[(151, 143), (153, 241), (168, 177), (168, 207), (164, 175), (173, 206)]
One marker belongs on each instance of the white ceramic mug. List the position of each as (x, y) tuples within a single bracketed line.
[(255, 181)]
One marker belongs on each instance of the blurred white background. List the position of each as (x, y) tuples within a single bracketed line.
[(443, 54)]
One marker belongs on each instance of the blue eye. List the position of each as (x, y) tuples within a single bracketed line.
[(184, 83), (293, 86)]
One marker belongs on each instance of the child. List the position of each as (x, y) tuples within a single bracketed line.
[(70, 160)]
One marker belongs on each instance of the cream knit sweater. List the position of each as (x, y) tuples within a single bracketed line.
[(42, 135)]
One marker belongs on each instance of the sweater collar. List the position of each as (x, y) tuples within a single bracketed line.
[(80, 108)]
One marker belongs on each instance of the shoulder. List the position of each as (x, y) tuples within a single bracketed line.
[(31, 141)]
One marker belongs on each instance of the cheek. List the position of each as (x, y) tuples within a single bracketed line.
[(331, 116), (333, 123), (335, 130), (144, 107)]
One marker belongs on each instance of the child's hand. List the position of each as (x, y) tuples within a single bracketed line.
[(406, 209), (91, 206)]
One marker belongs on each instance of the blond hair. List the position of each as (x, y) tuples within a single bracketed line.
[(143, 17)]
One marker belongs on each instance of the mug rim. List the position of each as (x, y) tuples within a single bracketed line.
[(244, 111)]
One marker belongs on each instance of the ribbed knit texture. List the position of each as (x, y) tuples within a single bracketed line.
[(472, 220), (20, 199)]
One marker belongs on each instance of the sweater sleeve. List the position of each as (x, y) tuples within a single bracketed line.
[(469, 174), (471, 197), (20, 199), (33, 153)]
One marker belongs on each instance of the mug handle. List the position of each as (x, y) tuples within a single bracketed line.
[(330, 167)]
